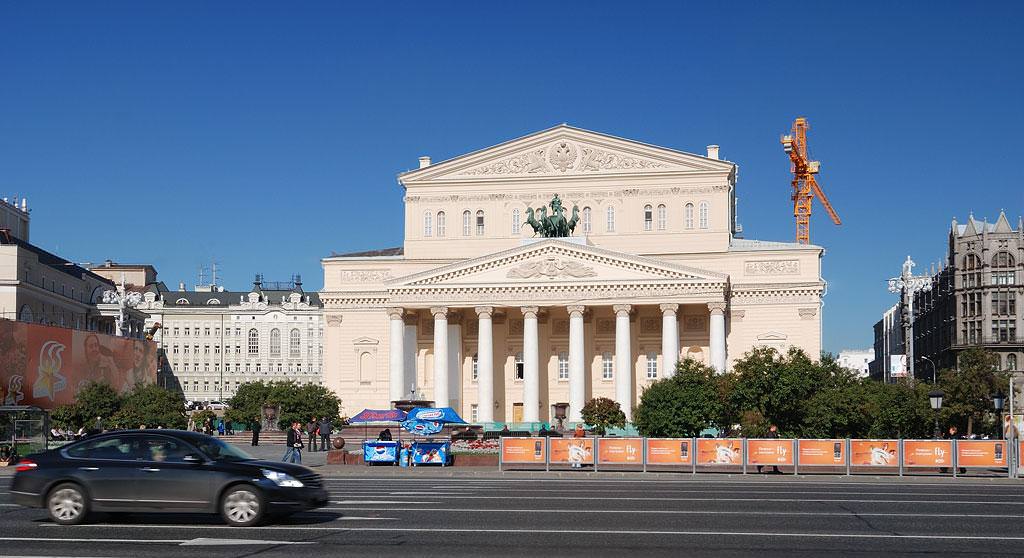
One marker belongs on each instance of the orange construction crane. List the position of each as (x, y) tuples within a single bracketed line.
[(805, 187)]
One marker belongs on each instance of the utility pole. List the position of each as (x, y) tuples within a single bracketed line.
[(907, 284)]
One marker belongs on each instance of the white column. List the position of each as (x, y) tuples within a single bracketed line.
[(396, 354), (485, 365), (577, 376), (455, 363), (531, 366), (669, 339), (410, 382), (623, 360), (440, 356), (717, 335)]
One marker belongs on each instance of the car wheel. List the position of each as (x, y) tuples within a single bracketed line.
[(67, 504), (242, 506)]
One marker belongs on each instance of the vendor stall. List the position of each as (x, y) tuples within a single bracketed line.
[(426, 421), (383, 449)]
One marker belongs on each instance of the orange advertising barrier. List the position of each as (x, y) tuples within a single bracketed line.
[(572, 451), (770, 452), (523, 450), (819, 453), (620, 451), (719, 451), (981, 453), (927, 453), (875, 453), (669, 451)]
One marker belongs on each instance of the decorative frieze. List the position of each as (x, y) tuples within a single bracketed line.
[(364, 275), (807, 313), (563, 157), (551, 268), (694, 323), (650, 325), (771, 267)]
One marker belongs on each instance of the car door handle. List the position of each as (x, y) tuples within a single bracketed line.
[(150, 469), (88, 468)]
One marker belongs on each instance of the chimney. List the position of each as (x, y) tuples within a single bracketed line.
[(712, 152), (424, 161), (181, 286)]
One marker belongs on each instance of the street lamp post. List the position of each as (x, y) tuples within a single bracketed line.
[(124, 299), (998, 400), (907, 284), (932, 362), (935, 399)]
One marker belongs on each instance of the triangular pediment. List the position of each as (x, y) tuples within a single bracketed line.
[(554, 261), (565, 151)]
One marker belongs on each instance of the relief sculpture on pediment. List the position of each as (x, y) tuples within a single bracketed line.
[(551, 268)]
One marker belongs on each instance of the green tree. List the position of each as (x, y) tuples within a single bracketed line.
[(247, 403), (682, 405), (897, 410), (65, 416), (968, 391), (200, 418), (603, 413), (153, 406), (299, 402), (96, 399), (770, 388)]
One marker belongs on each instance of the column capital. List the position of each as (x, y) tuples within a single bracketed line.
[(396, 313), (484, 311), (530, 311), (576, 309), (439, 312), (669, 308), (716, 308), (622, 309)]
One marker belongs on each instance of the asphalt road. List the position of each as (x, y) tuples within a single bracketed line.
[(590, 515)]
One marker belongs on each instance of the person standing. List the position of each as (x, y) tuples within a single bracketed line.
[(773, 434), (311, 428), (294, 452), (256, 428), (326, 428)]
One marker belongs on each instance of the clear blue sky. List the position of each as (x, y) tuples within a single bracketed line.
[(266, 135)]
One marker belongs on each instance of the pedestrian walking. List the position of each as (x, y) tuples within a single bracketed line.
[(773, 433), (311, 428), (220, 427), (578, 432), (294, 441), (326, 429), (256, 428)]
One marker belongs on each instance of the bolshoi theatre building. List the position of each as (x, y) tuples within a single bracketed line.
[(557, 267)]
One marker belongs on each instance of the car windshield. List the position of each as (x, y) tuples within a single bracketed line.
[(218, 450)]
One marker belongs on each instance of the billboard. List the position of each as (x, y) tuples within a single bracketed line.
[(523, 450), (927, 453), (981, 453), (46, 366), (719, 451), (572, 451), (898, 366), (770, 452), (827, 453), (669, 451), (620, 451), (874, 453)]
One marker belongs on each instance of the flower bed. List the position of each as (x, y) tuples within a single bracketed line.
[(475, 447)]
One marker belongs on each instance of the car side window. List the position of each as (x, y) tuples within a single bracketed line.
[(164, 450), (115, 448)]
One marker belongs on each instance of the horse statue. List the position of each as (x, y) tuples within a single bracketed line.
[(555, 225)]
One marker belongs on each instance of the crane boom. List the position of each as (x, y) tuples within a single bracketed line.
[(805, 187)]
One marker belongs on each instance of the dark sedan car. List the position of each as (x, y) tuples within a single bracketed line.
[(162, 471)]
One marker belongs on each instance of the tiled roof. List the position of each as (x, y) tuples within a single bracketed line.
[(397, 251)]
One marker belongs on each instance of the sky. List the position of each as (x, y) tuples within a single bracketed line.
[(267, 135)]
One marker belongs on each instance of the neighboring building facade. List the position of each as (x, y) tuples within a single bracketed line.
[(888, 342), (472, 312), (37, 286), (856, 360), (974, 299)]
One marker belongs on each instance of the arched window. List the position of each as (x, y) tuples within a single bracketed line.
[(703, 215), (466, 222), (1002, 259), (516, 222), (254, 342), (440, 223), (294, 344), (648, 217), (428, 225), (662, 217), (275, 342), (480, 222), (611, 219), (1011, 362), (587, 222), (688, 214)]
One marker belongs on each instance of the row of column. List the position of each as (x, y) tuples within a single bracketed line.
[(531, 356)]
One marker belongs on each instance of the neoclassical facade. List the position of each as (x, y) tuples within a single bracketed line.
[(476, 313)]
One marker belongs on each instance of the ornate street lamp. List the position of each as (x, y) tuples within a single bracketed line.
[(124, 299), (998, 400), (907, 284), (935, 399)]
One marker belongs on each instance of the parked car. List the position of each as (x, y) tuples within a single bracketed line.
[(162, 471), (216, 406)]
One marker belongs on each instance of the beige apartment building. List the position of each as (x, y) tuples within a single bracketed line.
[(477, 313)]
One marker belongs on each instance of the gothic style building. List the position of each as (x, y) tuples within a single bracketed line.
[(476, 313)]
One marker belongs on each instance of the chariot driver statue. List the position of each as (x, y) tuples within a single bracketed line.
[(555, 225)]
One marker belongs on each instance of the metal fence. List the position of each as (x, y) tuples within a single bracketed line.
[(24, 429)]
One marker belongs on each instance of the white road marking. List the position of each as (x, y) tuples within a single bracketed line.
[(236, 542), (648, 499), (411, 493), (38, 539), (671, 490), (380, 502), (685, 512)]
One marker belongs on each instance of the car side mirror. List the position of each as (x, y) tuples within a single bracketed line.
[(193, 459)]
